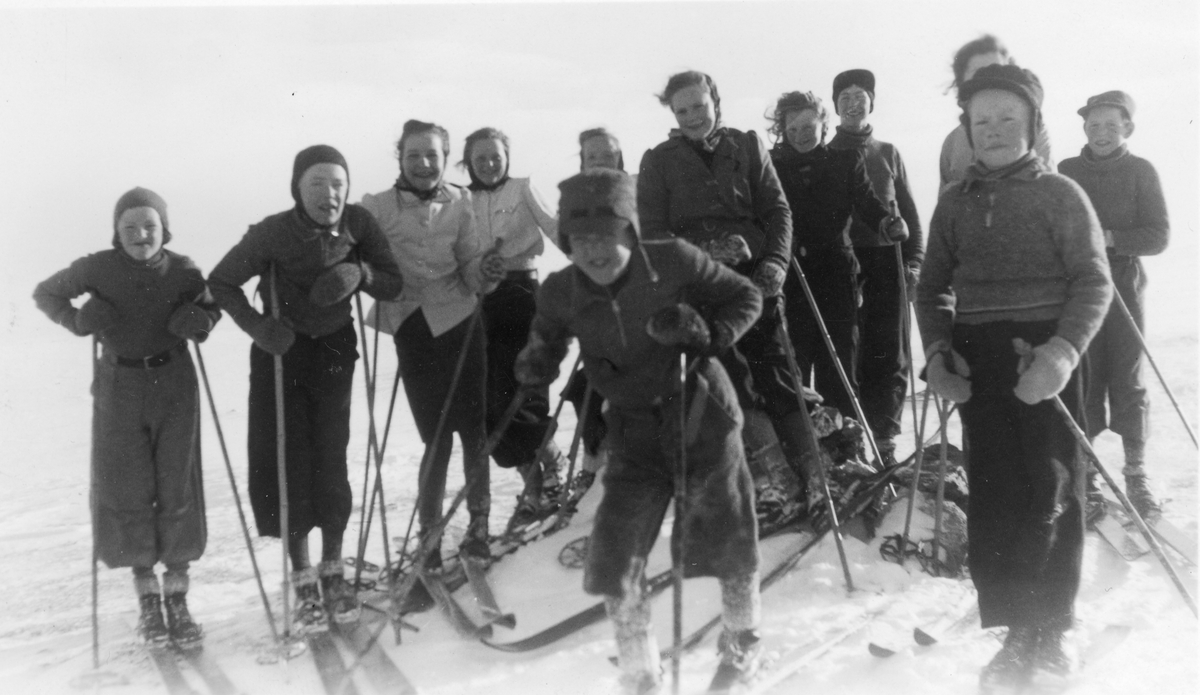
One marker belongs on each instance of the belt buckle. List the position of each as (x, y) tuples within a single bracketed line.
[(146, 362)]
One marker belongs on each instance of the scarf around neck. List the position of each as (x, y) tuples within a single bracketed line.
[(477, 185), (708, 144), (424, 196), (1028, 168)]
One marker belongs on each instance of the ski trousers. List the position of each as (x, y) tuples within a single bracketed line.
[(883, 350), (1115, 387)]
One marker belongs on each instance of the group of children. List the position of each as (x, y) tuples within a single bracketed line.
[(706, 253)]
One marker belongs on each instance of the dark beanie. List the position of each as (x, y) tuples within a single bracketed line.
[(596, 201), (140, 198), (1116, 98), (865, 79), (317, 154), (1008, 78)]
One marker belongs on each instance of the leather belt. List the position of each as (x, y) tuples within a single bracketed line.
[(147, 362)]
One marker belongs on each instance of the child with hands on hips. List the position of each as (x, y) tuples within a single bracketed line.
[(633, 305), (1016, 259), (147, 497)]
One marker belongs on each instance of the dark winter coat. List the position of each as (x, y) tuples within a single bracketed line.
[(679, 195), (147, 494)]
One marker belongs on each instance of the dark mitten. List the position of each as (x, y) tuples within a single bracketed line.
[(769, 277), (335, 284), (271, 335), (491, 267), (190, 322), (730, 250), (95, 315), (536, 364), (680, 325)]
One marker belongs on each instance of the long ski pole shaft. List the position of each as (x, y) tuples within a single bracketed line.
[(680, 527), (919, 461), (943, 409), (1120, 302), (281, 466), (377, 489), (237, 499), (837, 363), (906, 351), (806, 422), (95, 549), (552, 426), (1129, 508)]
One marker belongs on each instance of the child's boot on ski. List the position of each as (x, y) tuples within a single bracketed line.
[(340, 602), (184, 631), (1094, 507), (151, 629), (1053, 661), (309, 616), (475, 542), (1137, 489), (637, 649), (741, 654), (1009, 670), (552, 461)]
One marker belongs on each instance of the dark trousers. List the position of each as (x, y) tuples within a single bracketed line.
[(507, 314), (1026, 475), (317, 377), (757, 365), (883, 351), (831, 275), (1116, 389)]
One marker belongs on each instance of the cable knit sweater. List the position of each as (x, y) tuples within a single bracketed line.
[(1128, 199), (889, 178), (1017, 244)]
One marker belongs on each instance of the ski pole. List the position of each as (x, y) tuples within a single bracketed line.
[(943, 409), (680, 525), (95, 549), (1120, 302), (811, 435), (377, 489), (920, 459), (837, 364), (281, 466), (237, 500), (1082, 439), (906, 350), (560, 519)]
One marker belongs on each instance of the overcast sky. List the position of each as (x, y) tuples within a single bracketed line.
[(208, 106)]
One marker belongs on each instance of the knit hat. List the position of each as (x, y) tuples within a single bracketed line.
[(317, 154), (1116, 98), (1008, 78), (140, 198), (599, 201), (865, 79)]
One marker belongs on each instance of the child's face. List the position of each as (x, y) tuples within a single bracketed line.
[(1106, 128), (600, 152), (802, 129), (141, 233), (999, 127), (854, 107), (695, 111), (323, 190), (423, 160), (602, 256), (489, 161)]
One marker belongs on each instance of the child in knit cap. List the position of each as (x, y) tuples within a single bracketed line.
[(147, 497), (1016, 258), (634, 305), (1128, 198)]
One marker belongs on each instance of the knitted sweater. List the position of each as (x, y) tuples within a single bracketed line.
[(1019, 244), (889, 178), (300, 254), (824, 188), (145, 294), (516, 213), (1128, 199)]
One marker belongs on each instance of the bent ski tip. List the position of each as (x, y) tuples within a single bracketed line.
[(923, 638), (880, 651)]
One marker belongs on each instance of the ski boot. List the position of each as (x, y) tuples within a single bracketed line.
[(475, 542), (309, 617), (1009, 670), (151, 629), (527, 511), (887, 453), (741, 655), (340, 602), (552, 461), (1053, 662), (185, 632), (1094, 507), (1138, 491)]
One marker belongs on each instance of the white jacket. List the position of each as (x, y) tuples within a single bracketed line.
[(515, 213)]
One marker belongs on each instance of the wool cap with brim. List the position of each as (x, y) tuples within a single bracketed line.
[(140, 198), (1008, 78), (864, 79), (310, 156), (597, 201), (1116, 97)]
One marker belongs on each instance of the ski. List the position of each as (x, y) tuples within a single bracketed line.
[(334, 676), (380, 670), (168, 669), (210, 670), (1129, 546), (1100, 644), (476, 570), (950, 620), (809, 651), (1176, 539), (454, 612)]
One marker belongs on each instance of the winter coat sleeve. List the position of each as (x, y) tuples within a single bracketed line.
[(913, 248), (54, 294), (770, 204), (201, 296), (868, 206), (935, 296), (1152, 230), (542, 214), (729, 301), (653, 200), (374, 250), (551, 322), (247, 259), (1080, 242), (468, 251)]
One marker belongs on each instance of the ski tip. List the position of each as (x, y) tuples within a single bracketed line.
[(923, 638), (880, 651)]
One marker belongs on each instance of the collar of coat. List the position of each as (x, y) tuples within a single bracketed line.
[(1026, 168), (442, 194), (1112, 160)]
